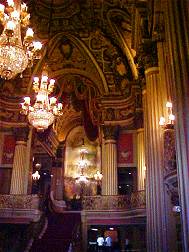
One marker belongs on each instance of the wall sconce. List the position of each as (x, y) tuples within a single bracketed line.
[(169, 120), (98, 176), (36, 175)]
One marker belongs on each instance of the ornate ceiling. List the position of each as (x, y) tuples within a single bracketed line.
[(88, 49)]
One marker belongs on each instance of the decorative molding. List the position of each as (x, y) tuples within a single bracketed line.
[(147, 55), (170, 165), (10, 113), (169, 151)]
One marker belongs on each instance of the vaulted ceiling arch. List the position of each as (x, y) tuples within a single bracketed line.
[(73, 57), (115, 14)]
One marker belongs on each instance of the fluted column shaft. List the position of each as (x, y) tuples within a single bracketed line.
[(156, 220), (99, 160), (19, 162), (109, 181), (28, 177), (177, 36), (141, 167)]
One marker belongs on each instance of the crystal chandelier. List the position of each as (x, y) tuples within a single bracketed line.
[(82, 164), (15, 54), (44, 110), (82, 178), (169, 120)]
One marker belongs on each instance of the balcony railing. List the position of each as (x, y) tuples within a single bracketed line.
[(19, 201), (20, 206), (115, 202)]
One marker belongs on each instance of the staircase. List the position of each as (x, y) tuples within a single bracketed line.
[(58, 234)]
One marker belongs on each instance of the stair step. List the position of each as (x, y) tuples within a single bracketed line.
[(58, 234)]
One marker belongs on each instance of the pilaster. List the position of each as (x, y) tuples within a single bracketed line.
[(177, 26), (155, 201)]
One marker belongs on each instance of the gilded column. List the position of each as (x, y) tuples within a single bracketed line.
[(141, 166), (28, 176), (99, 158), (19, 162), (156, 220), (109, 181), (177, 37)]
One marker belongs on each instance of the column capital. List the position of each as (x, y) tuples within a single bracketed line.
[(147, 56), (110, 132), (21, 134), (158, 32)]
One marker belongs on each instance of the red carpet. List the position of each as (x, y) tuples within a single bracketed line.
[(58, 234)]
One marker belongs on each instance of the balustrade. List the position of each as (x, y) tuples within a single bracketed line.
[(115, 202), (21, 207)]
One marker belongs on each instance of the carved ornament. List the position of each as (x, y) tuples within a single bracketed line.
[(110, 132), (169, 151), (147, 55)]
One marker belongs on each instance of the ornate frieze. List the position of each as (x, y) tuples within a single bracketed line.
[(10, 113), (113, 110)]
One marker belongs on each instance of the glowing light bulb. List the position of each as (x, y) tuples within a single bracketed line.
[(11, 25), (37, 45), (29, 33)]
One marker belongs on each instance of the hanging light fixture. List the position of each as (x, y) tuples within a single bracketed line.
[(82, 164), (170, 119), (82, 178), (15, 54), (44, 110)]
